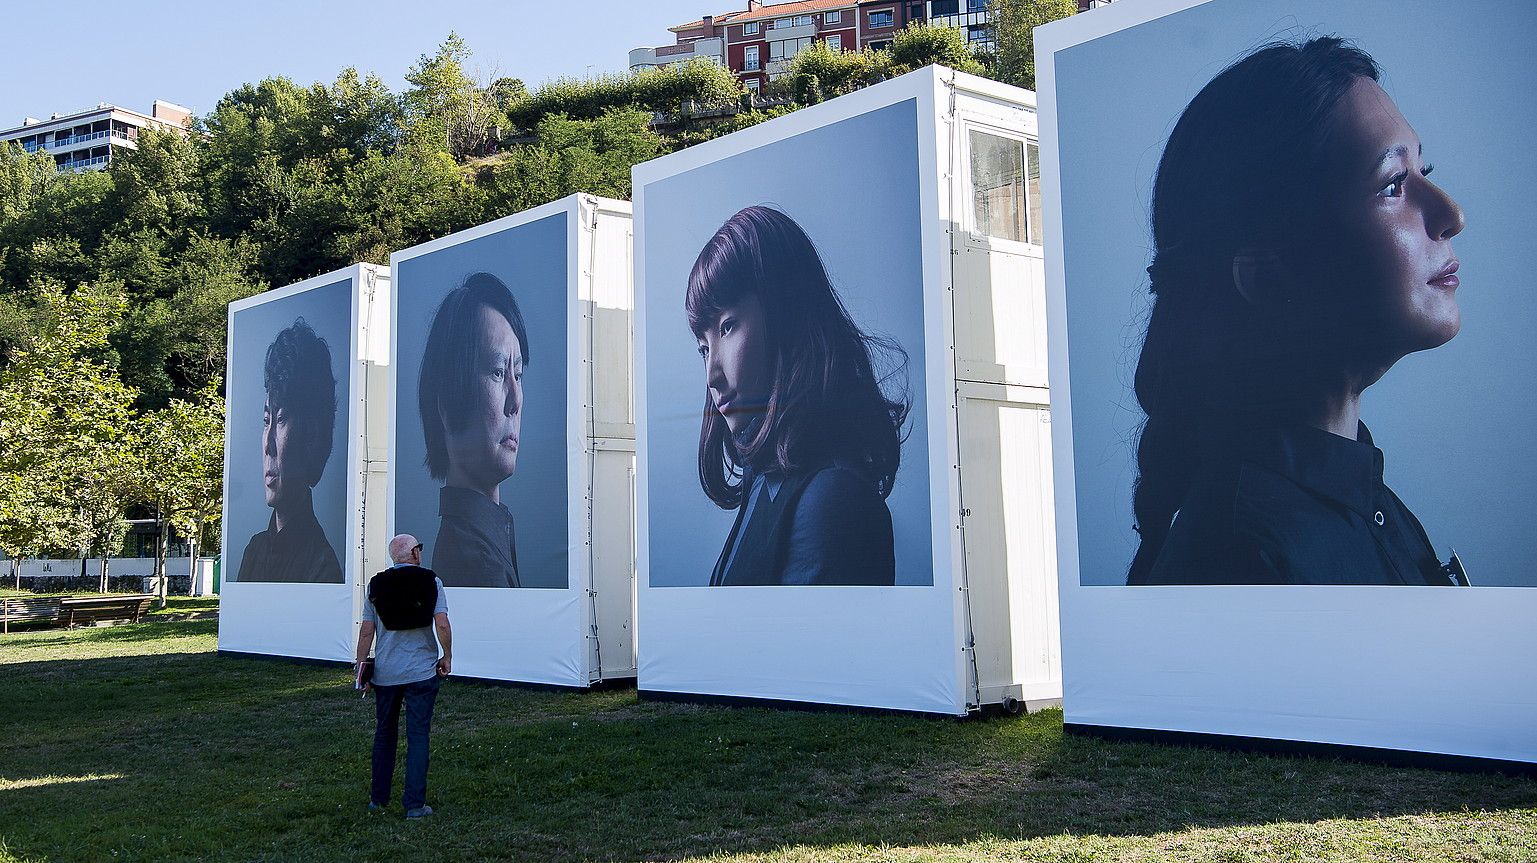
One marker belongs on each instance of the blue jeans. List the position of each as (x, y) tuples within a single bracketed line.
[(419, 698)]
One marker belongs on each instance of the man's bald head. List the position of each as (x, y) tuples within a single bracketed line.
[(403, 548)]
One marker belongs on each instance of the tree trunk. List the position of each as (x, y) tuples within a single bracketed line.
[(162, 537), (16, 570), (105, 584), (192, 542), (162, 588)]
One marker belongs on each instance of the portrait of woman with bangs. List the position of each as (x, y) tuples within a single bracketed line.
[(804, 413)]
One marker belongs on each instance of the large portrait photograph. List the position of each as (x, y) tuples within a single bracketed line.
[(1299, 321), (481, 407), (784, 353), (288, 398)]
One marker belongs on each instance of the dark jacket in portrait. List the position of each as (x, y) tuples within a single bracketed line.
[(298, 553), (1297, 505), (824, 526), (475, 545)]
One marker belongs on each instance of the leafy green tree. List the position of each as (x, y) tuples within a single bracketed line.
[(33, 520), (569, 156), (69, 417), (183, 448), (920, 45), (839, 72), (1014, 23), (445, 97)]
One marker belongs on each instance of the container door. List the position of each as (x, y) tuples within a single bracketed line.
[(1008, 533), (1004, 413), (613, 556)]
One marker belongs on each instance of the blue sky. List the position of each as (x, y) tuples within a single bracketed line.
[(192, 53)]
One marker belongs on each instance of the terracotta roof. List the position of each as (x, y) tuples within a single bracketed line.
[(778, 10), (718, 19), (799, 7)]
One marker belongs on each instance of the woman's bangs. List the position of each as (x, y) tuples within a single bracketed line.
[(721, 277)]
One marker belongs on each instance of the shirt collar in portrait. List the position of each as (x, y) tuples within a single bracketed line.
[(1334, 467)]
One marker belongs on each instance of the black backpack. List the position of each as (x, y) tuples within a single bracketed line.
[(404, 597)]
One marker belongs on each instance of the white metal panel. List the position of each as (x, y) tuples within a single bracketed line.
[(1010, 547), (613, 558), (312, 621), (528, 634), (1435, 670), (884, 647)]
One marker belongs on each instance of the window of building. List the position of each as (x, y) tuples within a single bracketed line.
[(752, 85), (976, 5), (835, 43), (750, 28), (879, 46), (801, 21), (784, 49), (833, 17), (979, 33), (781, 23), (944, 7), (1005, 187), (750, 59), (882, 18)]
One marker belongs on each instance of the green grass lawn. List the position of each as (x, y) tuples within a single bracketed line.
[(138, 742)]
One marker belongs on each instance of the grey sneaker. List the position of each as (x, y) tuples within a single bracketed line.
[(422, 812)]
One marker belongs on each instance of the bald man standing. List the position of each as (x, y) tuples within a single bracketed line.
[(405, 606)]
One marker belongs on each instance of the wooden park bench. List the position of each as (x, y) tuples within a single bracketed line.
[(29, 609), (75, 610)]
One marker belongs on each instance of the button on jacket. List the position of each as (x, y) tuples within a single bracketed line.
[(1297, 505)]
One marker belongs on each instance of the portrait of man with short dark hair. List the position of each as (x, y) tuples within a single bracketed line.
[(470, 398), (298, 420)]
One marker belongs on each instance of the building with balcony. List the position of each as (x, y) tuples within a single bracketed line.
[(758, 43), (87, 140)]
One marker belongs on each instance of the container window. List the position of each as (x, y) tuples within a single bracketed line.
[(999, 191), (1033, 173)]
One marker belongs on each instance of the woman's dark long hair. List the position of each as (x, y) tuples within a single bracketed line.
[(1244, 169), (827, 399)]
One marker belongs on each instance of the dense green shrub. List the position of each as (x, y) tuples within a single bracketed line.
[(699, 81)]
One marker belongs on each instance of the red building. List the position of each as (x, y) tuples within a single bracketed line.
[(757, 43)]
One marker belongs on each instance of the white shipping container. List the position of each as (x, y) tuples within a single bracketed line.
[(273, 615), (984, 630), (581, 631)]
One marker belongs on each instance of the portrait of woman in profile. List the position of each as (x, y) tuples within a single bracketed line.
[(1301, 249), (799, 435), (470, 397)]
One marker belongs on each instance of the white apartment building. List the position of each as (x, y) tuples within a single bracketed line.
[(86, 140)]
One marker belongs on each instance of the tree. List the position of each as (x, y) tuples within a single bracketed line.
[(32, 520), (1014, 23), (920, 45), (68, 428), (444, 96), (183, 447), (569, 156), (838, 72)]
